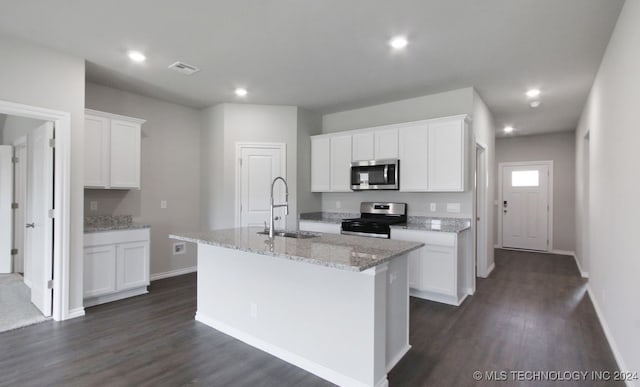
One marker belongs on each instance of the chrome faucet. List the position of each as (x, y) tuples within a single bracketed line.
[(285, 204)]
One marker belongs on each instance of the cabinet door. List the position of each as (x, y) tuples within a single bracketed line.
[(413, 145), (96, 151), (320, 162), (386, 144), (328, 228), (125, 154), (99, 270), (341, 163), (446, 155), (362, 147), (132, 265), (439, 269)]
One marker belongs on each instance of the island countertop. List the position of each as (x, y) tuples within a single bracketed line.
[(344, 252)]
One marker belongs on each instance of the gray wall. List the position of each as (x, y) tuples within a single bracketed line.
[(560, 148), (309, 124), (609, 240), (170, 170), (38, 76), (232, 123), (431, 106), (15, 127)]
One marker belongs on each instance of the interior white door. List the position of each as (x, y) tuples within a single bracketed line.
[(6, 198), (39, 231), (525, 206), (20, 198), (258, 167)]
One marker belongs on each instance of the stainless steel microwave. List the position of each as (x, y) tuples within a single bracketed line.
[(375, 175)]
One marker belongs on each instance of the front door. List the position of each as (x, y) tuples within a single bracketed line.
[(259, 165), (525, 206), (39, 224)]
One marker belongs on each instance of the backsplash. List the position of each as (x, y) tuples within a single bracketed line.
[(106, 221)]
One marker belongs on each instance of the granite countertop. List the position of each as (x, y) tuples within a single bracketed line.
[(100, 223), (328, 217), (426, 223), (338, 251), (422, 223)]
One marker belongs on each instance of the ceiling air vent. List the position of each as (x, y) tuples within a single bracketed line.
[(184, 68)]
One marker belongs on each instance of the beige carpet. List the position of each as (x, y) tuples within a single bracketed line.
[(16, 309)]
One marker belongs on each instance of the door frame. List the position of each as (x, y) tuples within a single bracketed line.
[(20, 144), (549, 164), (62, 193), (480, 210), (238, 171)]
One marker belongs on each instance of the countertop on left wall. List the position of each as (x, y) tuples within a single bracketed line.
[(100, 223)]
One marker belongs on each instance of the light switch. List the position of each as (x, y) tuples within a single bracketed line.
[(163, 204), (93, 205), (453, 207), (433, 207)]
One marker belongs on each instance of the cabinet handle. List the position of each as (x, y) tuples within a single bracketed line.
[(30, 225)]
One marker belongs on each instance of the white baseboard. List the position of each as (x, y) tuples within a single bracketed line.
[(75, 313), (583, 273), (437, 297), (607, 332), (490, 269), (396, 359), (289, 357), (563, 252), (173, 273), (91, 301)]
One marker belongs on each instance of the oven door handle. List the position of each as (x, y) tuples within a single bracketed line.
[(365, 234)]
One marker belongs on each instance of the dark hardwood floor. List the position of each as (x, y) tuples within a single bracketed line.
[(532, 314)]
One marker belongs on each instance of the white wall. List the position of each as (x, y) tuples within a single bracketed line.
[(610, 117), (484, 129), (225, 125), (170, 170), (38, 76), (560, 148), (431, 106)]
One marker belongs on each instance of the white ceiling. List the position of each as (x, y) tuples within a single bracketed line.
[(332, 55)]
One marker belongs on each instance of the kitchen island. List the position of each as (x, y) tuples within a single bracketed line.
[(334, 305)]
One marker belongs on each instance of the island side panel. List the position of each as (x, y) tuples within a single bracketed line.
[(328, 321), (397, 344)]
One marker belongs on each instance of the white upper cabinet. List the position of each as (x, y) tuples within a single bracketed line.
[(125, 154), (341, 163), (112, 150), (447, 155), (413, 145), (320, 161), (96, 151), (386, 144), (363, 146)]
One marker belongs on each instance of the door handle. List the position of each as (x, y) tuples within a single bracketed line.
[(30, 225)]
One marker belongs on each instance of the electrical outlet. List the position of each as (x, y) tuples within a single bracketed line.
[(163, 204), (93, 205), (338, 204), (453, 207), (179, 248), (433, 207), (253, 310)]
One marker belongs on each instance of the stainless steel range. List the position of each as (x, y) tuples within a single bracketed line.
[(375, 219)]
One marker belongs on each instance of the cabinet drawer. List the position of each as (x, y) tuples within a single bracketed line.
[(114, 237)]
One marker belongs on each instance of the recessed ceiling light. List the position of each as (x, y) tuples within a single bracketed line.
[(533, 93), (534, 104), (136, 56), (508, 129), (240, 92), (398, 42)]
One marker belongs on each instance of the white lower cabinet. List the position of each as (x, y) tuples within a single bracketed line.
[(441, 270), (327, 228), (116, 265)]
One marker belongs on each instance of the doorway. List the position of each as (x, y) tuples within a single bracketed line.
[(526, 205), (258, 164), (52, 220)]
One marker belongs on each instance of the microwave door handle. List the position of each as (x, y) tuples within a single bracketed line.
[(386, 173)]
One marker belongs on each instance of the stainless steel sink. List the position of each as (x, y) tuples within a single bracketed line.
[(290, 234)]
